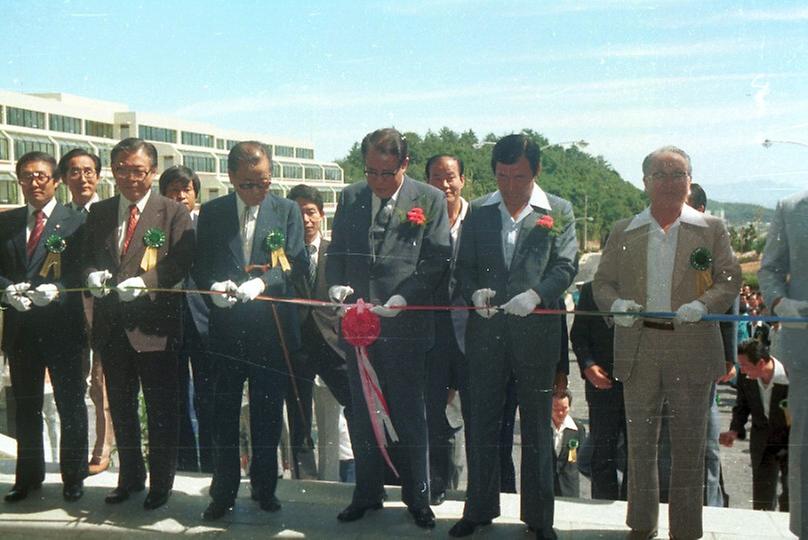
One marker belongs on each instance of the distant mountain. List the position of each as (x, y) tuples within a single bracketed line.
[(740, 213), (763, 193)]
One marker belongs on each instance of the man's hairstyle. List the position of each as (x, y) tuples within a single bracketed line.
[(182, 174), (132, 145), (697, 196), (36, 156), (433, 159), (387, 141), (561, 394), (302, 191), (649, 159), (249, 152), (78, 152), (511, 148), (754, 350)]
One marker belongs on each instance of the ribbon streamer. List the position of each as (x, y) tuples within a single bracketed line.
[(53, 260)]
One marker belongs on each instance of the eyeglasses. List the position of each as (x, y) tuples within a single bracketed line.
[(675, 175), (384, 175), (36, 176), (130, 172), (75, 172), (261, 186)]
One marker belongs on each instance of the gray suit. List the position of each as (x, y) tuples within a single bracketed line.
[(784, 273), (411, 260), (678, 365), (496, 348)]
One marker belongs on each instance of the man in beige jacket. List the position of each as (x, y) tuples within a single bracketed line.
[(668, 258)]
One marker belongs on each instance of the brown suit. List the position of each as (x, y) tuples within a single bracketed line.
[(676, 365), (138, 339)]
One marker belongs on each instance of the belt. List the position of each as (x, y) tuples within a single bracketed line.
[(658, 325)]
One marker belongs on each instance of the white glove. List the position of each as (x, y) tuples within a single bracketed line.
[(97, 283), (691, 312), (15, 296), (788, 307), (522, 304), (387, 310), (226, 300), (43, 295), (626, 321), (338, 293), (250, 289), (130, 288), (481, 298)]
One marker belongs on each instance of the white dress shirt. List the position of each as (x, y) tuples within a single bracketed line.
[(314, 254), (511, 225), (558, 433), (123, 215), (376, 204), (31, 220), (94, 199), (247, 217), (779, 377)]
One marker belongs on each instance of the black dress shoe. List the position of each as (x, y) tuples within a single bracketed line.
[(354, 512), (19, 493), (215, 511), (73, 491), (120, 494), (270, 505), (466, 527), (437, 498), (156, 499), (424, 517)]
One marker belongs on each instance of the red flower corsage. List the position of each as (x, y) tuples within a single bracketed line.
[(545, 222), (416, 216)]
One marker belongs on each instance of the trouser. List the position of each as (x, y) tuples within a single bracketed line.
[(607, 425)]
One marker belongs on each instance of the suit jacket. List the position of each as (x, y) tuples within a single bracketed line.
[(542, 261), (622, 273), (567, 479), (766, 432), (410, 262), (784, 273), (196, 329), (220, 257), (592, 337), (57, 320), (152, 322), (325, 320)]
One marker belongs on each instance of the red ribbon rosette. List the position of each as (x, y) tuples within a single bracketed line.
[(416, 216), (361, 327), (546, 222)]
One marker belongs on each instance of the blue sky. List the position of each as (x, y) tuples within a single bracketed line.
[(715, 78)]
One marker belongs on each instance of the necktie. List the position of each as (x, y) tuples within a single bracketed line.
[(312, 249), (379, 227), (246, 237), (36, 232), (130, 228)]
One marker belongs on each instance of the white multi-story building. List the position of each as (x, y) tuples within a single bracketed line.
[(56, 123)]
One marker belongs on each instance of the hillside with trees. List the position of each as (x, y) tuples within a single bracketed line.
[(595, 189)]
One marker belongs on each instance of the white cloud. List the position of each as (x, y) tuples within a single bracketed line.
[(791, 14)]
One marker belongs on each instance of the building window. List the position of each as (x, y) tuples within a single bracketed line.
[(158, 134), (8, 189), (276, 169), (284, 151), (28, 143), (333, 173), (304, 153), (277, 190), (105, 153), (4, 149), (65, 124), (312, 173), (231, 143), (66, 146), (291, 170), (328, 195), (197, 139), (25, 118), (222, 165), (98, 129), (220, 144), (199, 162)]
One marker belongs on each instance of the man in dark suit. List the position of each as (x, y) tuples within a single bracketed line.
[(390, 247), (568, 437), (762, 392), (182, 184), (518, 251), (593, 342), (249, 243), (80, 171), (139, 240), (320, 354), (46, 335)]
